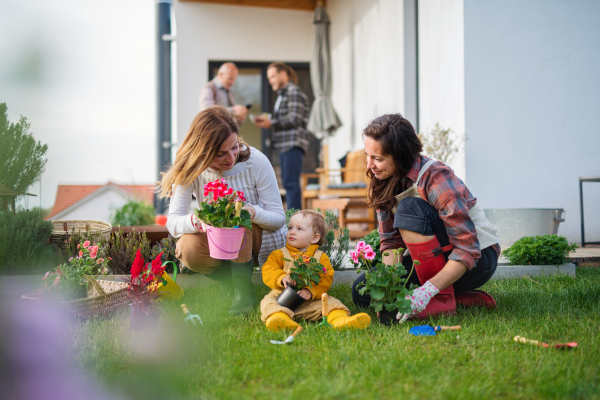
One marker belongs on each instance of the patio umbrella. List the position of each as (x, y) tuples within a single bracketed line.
[(323, 120)]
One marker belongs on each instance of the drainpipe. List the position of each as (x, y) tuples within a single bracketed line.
[(163, 103)]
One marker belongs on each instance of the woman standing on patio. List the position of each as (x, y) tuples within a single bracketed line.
[(423, 207), (211, 150)]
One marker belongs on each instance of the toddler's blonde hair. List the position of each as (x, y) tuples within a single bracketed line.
[(317, 224)]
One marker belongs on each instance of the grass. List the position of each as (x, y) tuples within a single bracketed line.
[(231, 358)]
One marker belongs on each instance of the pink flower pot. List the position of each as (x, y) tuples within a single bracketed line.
[(224, 243)]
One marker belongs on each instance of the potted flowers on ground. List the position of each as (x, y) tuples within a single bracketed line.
[(385, 284), (223, 219), (68, 281), (143, 291), (306, 272)]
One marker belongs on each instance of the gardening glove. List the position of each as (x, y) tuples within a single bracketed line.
[(197, 223), (419, 300)]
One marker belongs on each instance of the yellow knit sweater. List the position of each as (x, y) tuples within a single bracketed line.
[(273, 273)]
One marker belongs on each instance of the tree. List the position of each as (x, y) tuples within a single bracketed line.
[(22, 159)]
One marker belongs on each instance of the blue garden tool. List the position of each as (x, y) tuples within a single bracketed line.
[(426, 330), (189, 316)]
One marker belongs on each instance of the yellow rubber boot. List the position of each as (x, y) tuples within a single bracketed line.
[(280, 320), (339, 319)]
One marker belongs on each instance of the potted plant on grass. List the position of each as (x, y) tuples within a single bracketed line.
[(223, 219), (385, 284), (143, 291), (69, 281), (306, 272)]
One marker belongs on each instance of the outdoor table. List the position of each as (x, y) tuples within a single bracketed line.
[(581, 180)]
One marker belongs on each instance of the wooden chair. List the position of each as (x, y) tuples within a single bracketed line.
[(350, 194)]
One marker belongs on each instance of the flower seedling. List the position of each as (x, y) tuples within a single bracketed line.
[(222, 206), (306, 271)]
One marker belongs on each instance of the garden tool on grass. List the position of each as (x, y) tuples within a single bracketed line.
[(324, 311), (189, 317), (569, 345), (426, 330), (290, 338)]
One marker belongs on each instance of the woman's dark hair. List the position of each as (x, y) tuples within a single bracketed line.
[(397, 138)]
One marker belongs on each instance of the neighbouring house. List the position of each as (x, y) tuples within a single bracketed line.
[(96, 202), (520, 79)]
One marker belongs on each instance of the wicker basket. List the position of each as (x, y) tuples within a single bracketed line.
[(103, 297), (64, 229)]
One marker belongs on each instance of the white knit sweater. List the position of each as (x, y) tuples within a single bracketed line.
[(256, 178)]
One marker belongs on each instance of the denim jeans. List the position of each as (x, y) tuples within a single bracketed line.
[(416, 215), (291, 167)]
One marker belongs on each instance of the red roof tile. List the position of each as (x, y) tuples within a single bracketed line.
[(68, 195)]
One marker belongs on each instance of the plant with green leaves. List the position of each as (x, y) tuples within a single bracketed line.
[(133, 213), (222, 206), (24, 247), (166, 247), (123, 249), (23, 159), (540, 250), (337, 241), (385, 284), (306, 271), (373, 240)]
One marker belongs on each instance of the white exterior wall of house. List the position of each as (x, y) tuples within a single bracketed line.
[(367, 50), (441, 71), (97, 206), (532, 106), (207, 32)]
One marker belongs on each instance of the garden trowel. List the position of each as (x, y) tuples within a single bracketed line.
[(569, 345), (290, 338), (426, 330), (189, 317)]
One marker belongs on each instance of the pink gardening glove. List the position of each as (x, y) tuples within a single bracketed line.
[(197, 223), (419, 300)]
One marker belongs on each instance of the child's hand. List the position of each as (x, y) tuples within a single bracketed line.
[(287, 280), (305, 294)]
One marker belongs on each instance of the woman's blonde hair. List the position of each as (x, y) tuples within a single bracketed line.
[(209, 130)]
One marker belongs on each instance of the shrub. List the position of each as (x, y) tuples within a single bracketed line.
[(167, 247), (24, 244), (123, 249), (133, 213), (336, 247), (23, 159), (539, 250), (439, 144)]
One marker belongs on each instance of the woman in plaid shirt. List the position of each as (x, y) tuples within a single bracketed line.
[(424, 207)]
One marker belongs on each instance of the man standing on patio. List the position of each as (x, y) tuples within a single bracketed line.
[(290, 118), (217, 92)]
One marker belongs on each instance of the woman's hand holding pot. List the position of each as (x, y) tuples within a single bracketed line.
[(197, 223), (419, 300), (251, 210)]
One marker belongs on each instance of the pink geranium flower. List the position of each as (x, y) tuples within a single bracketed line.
[(93, 255), (370, 255), (86, 244), (80, 253)]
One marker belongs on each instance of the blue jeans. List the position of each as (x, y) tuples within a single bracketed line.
[(417, 215), (291, 167)]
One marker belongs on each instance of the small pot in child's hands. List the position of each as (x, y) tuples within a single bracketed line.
[(388, 318), (289, 298)]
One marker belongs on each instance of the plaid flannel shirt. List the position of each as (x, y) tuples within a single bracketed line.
[(452, 199), (290, 119)]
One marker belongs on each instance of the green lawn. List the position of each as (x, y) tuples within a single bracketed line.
[(231, 358)]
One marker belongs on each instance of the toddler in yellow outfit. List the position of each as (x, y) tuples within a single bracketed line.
[(306, 232)]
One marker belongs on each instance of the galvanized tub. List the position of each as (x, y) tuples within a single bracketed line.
[(514, 223)]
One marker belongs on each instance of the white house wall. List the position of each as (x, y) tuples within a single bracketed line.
[(441, 71), (367, 49), (97, 207), (533, 106), (208, 32)]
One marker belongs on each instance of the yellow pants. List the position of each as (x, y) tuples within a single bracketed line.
[(309, 310)]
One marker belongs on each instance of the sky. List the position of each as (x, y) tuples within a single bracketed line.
[(83, 74)]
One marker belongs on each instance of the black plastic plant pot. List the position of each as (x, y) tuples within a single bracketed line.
[(388, 318), (289, 298)]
